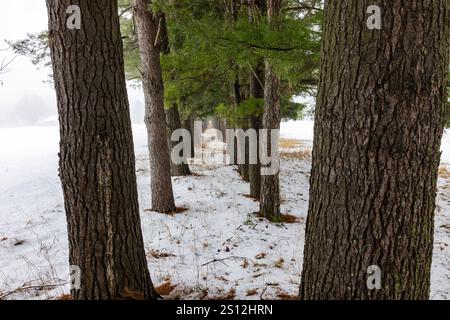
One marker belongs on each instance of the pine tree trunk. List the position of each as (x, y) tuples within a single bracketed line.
[(254, 170), (244, 168), (257, 92), (174, 123), (97, 163), (237, 102), (147, 24), (270, 185), (256, 10), (379, 123)]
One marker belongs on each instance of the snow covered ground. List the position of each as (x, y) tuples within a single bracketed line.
[(217, 248)]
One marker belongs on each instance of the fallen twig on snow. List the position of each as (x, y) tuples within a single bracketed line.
[(222, 260), (28, 286)]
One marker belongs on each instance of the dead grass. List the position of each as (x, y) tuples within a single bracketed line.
[(285, 218), (195, 174), (289, 143), (297, 155), (280, 263), (204, 294), (251, 292), (30, 287), (158, 254), (288, 218), (230, 295), (181, 210), (294, 149), (260, 256), (444, 172), (165, 289), (286, 296)]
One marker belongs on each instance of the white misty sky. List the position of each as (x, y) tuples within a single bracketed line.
[(17, 18), (24, 83), (24, 97)]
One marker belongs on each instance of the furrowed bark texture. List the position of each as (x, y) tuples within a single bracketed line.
[(256, 10), (256, 91), (379, 123), (270, 185), (97, 163), (241, 124), (237, 102), (149, 32)]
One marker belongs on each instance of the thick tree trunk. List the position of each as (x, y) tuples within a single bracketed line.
[(147, 24), (257, 92), (97, 163), (379, 123), (174, 123), (237, 102), (270, 185), (256, 9), (254, 170), (243, 168)]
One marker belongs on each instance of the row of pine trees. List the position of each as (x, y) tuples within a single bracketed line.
[(380, 113)]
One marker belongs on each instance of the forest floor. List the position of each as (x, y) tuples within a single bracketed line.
[(216, 249)]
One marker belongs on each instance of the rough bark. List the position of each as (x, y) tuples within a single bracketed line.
[(174, 123), (256, 10), (379, 123), (244, 168), (97, 163), (148, 25), (257, 91), (270, 185), (237, 102), (254, 170)]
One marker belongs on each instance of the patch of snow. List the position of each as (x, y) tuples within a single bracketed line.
[(215, 246), (445, 148)]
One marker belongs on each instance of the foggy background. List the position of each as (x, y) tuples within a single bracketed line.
[(26, 99)]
